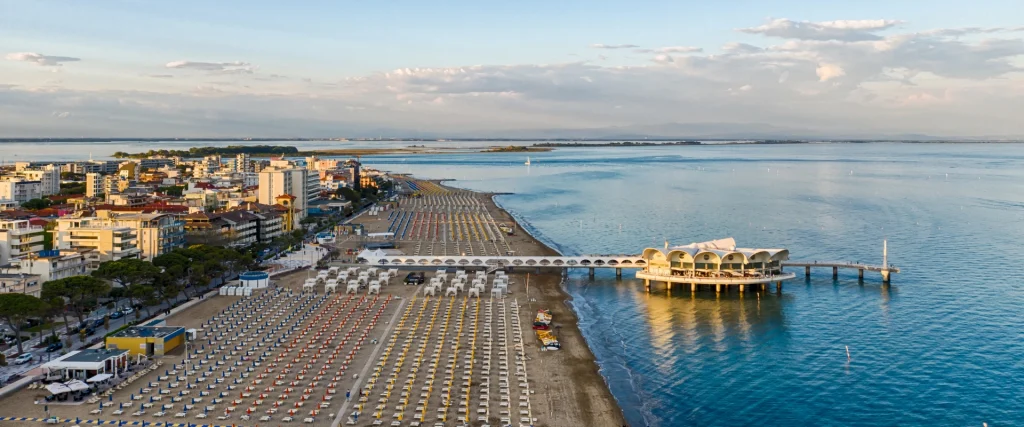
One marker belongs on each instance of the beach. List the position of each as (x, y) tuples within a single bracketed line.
[(573, 392), (552, 388)]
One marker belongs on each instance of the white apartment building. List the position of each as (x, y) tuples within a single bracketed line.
[(156, 233), (20, 190), (93, 184), (48, 177), (19, 238), (54, 265), (21, 283), (297, 182), (103, 242)]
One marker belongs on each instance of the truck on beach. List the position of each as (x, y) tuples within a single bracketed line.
[(543, 320), (506, 229)]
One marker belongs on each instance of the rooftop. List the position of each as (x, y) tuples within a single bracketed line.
[(148, 331), (92, 355)]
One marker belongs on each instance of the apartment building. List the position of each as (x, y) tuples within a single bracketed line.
[(19, 238), (99, 242), (54, 264), (157, 233), (28, 284)]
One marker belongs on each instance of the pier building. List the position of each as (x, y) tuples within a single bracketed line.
[(716, 263)]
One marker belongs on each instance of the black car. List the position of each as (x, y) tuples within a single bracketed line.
[(97, 323), (116, 315), (415, 278), (54, 347)]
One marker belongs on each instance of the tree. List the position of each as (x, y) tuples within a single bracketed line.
[(349, 194), (35, 204), (79, 292), (17, 308), (130, 274)]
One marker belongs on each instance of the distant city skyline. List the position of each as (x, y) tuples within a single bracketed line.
[(405, 69)]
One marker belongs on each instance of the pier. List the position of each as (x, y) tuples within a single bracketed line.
[(714, 264), (886, 270)]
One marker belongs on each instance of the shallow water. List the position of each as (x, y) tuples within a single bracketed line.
[(941, 346)]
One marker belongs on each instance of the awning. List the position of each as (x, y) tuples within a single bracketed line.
[(100, 377), (76, 385), (57, 388)]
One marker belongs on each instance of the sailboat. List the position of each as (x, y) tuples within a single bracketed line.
[(527, 161)]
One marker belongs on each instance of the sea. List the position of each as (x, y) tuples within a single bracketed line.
[(943, 345)]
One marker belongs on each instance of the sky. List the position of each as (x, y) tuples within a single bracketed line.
[(255, 68)]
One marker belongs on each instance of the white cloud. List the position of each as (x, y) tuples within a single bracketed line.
[(828, 72), (844, 30), (613, 46), (835, 76), (234, 67), (40, 59), (672, 49), (663, 58), (61, 114)]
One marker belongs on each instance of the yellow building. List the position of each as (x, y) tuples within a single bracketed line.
[(147, 340)]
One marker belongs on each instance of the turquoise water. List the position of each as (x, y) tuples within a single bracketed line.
[(944, 345)]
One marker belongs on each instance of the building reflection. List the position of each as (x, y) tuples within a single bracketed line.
[(682, 322)]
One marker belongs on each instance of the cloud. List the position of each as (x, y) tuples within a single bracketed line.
[(160, 76), (613, 46), (957, 81), (234, 67), (60, 114), (844, 30), (40, 59), (672, 49), (828, 72), (663, 59), (735, 47)]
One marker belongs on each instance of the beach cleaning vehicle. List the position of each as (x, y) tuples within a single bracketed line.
[(548, 340), (543, 320)]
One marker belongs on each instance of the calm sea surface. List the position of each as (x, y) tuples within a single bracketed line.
[(943, 346)]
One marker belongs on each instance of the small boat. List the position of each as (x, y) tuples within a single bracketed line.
[(527, 161)]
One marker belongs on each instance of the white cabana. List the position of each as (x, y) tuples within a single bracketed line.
[(99, 378), (77, 385), (57, 388)]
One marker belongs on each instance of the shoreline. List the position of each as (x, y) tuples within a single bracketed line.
[(595, 403)]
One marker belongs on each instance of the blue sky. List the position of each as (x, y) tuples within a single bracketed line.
[(327, 67)]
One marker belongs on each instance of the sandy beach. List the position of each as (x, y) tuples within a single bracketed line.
[(484, 341)]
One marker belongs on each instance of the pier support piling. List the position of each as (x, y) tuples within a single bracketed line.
[(741, 289), (591, 273), (693, 287), (860, 274), (647, 285), (618, 273), (778, 287), (835, 273), (718, 289), (807, 271)]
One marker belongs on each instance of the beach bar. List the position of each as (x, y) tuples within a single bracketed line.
[(714, 263), (87, 364)]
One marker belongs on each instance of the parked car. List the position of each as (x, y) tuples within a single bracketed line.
[(116, 315), (127, 310), (415, 278), (90, 330), (54, 347), (24, 358), (97, 323)]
